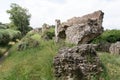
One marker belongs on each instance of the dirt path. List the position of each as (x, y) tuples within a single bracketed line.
[(3, 57)]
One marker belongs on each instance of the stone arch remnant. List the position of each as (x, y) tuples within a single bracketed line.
[(79, 30)]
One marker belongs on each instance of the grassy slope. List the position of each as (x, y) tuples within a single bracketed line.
[(36, 63), (31, 64)]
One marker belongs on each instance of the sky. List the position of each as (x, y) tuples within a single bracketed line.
[(46, 11)]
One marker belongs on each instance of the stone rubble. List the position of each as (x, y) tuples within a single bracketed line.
[(115, 48), (77, 63)]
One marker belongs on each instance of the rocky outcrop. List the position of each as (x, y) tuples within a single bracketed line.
[(77, 63), (80, 29), (103, 46), (115, 48)]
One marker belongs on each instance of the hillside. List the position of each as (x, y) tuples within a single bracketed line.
[(36, 63), (30, 64)]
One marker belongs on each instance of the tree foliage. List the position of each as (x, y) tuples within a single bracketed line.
[(3, 26), (20, 17)]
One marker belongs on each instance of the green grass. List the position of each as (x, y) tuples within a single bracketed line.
[(30, 64), (112, 65), (36, 64)]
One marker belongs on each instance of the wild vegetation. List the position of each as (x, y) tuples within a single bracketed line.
[(36, 63), (7, 35), (111, 65), (31, 63), (16, 29), (110, 36), (20, 18), (3, 26)]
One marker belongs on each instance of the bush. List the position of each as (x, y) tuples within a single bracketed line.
[(3, 26), (7, 35), (48, 34), (110, 36), (29, 41)]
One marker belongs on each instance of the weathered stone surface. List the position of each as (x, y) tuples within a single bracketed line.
[(37, 30), (59, 31), (77, 63), (115, 48), (80, 29), (104, 47), (45, 27)]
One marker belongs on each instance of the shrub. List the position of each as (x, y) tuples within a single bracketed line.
[(48, 34), (3, 26), (110, 36), (7, 35), (29, 41)]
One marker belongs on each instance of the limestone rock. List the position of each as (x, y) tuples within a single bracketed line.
[(77, 63), (115, 48), (80, 29)]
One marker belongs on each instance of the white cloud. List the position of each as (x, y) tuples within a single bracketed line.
[(46, 11)]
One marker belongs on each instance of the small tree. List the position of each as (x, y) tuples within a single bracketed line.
[(19, 17)]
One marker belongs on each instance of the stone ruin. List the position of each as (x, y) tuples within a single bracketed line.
[(77, 63), (79, 30), (103, 46), (115, 48), (41, 30), (45, 27), (37, 30), (80, 62)]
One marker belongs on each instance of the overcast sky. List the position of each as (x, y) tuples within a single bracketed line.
[(46, 11)]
